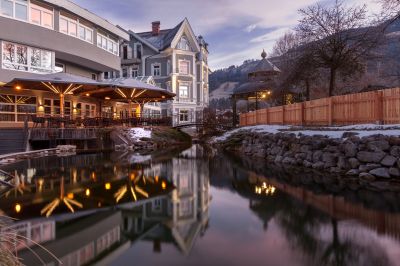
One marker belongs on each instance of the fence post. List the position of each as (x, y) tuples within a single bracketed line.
[(283, 114), (330, 111), (302, 114), (378, 107)]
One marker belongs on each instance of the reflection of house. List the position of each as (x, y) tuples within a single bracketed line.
[(79, 241), (178, 217)]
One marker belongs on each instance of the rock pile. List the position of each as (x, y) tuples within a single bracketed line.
[(369, 158)]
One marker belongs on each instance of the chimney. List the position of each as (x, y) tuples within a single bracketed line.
[(155, 28)]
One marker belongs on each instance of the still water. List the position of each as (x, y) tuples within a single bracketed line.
[(188, 208)]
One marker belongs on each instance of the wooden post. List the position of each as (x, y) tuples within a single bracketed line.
[(378, 107), (330, 111), (62, 109), (302, 113)]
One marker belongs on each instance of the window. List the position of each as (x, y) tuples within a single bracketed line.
[(74, 28), (168, 67), (41, 16), (184, 67), (17, 9), (94, 76), (25, 58), (156, 70), (183, 115), (185, 207), (106, 76), (59, 68), (107, 44), (15, 108), (183, 44), (183, 91), (125, 72), (138, 50), (125, 52), (135, 72), (156, 205), (47, 106)]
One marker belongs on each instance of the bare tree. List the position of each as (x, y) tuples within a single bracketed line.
[(338, 37)]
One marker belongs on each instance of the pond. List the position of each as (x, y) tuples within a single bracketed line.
[(185, 207)]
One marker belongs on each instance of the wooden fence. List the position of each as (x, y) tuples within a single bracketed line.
[(378, 107)]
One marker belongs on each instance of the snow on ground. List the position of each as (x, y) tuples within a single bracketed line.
[(138, 158), (136, 133), (361, 130)]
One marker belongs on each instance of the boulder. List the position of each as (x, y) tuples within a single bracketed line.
[(343, 163), (388, 160), (354, 163), (395, 172), (380, 172), (378, 145), (307, 164), (317, 156), (367, 177), (329, 159), (350, 149), (318, 165), (278, 159), (368, 167), (370, 157), (353, 172), (395, 151)]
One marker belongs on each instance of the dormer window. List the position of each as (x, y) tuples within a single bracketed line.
[(184, 44)]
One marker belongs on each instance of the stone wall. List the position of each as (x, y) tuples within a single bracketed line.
[(369, 158)]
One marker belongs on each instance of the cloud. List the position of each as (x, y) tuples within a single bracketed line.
[(235, 30)]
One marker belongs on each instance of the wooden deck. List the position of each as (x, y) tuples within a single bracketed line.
[(42, 134)]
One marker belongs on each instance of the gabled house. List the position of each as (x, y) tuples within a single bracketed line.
[(177, 60)]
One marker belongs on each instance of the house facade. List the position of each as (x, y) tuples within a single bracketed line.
[(50, 36), (177, 60)]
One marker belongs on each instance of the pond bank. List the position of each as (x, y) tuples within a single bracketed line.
[(358, 154)]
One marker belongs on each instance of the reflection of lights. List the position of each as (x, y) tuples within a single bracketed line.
[(70, 195), (99, 204), (87, 192), (156, 178), (17, 87), (107, 186), (93, 176), (18, 208), (40, 183), (163, 185), (132, 176), (265, 189)]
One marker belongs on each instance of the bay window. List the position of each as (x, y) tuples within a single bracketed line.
[(107, 44), (24, 58)]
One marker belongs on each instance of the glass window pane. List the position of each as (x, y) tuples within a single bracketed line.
[(7, 8), (22, 55), (21, 11), (46, 60), (47, 20), (110, 46), (72, 28), (35, 57), (63, 25), (35, 16), (82, 32), (104, 42), (89, 35), (98, 40), (8, 52)]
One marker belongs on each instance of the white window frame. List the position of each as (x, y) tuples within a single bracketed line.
[(184, 84), (187, 48), (108, 40), (42, 10), (29, 57), (179, 66), (187, 113), (78, 24), (153, 69), (14, 2), (134, 70)]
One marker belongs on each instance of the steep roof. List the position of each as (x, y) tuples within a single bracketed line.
[(265, 66), (164, 39)]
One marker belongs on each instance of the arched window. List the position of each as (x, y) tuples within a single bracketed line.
[(184, 44)]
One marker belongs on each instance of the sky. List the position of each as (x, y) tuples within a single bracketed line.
[(235, 30)]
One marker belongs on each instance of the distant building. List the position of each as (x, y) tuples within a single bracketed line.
[(177, 60)]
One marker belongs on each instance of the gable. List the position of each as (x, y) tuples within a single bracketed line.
[(186, 32)]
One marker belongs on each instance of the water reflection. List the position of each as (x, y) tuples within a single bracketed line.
[(189, 209)]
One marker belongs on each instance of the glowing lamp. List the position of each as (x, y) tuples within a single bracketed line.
[(87, 94), (163, 185), (17, 87), (87, 192), (18, 208), (70, 195), (107, 186), (107, 98)]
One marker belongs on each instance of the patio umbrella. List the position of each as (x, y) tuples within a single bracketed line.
[(131, 90), (59, 83)]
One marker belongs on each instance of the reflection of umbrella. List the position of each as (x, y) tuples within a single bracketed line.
[(133, 188), (69, 202), (58, 83)]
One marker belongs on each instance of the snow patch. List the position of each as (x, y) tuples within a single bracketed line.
[(362, 130), (137, 133)]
